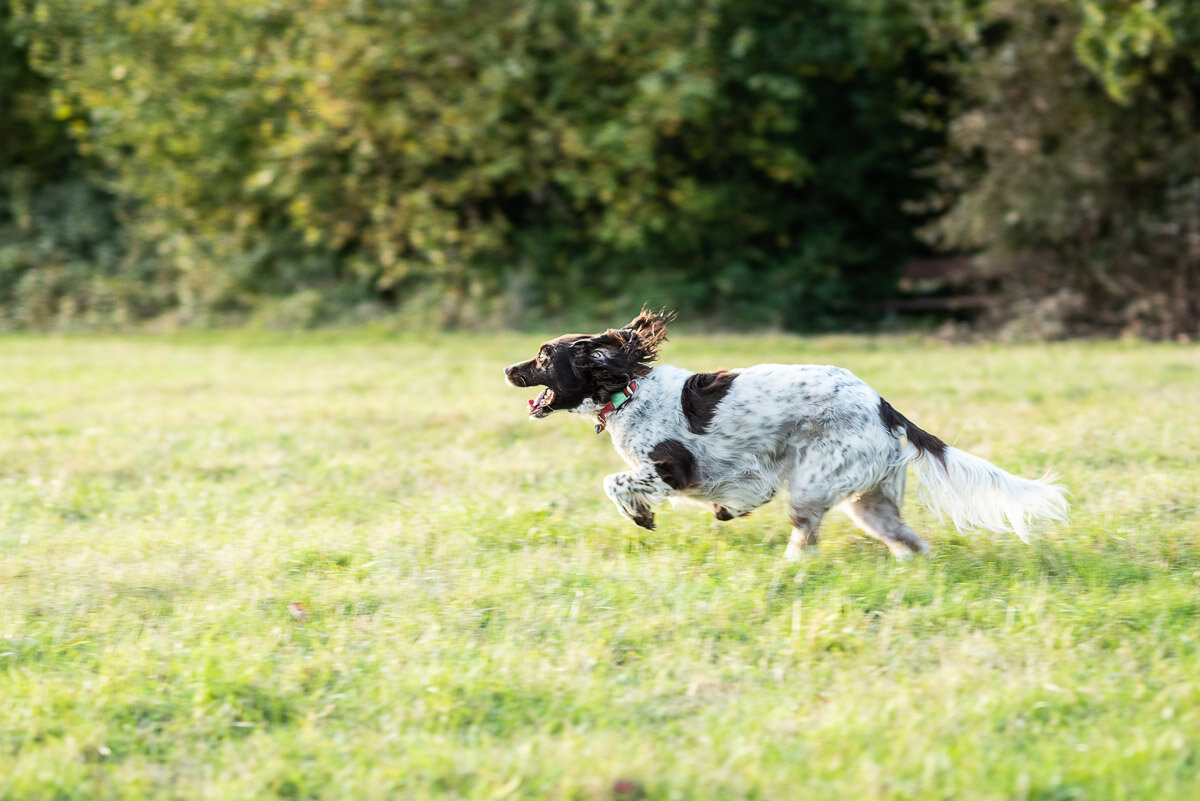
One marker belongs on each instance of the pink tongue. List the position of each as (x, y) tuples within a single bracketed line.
[(531, 401)]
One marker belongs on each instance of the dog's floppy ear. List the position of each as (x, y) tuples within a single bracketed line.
[(610, 359), (646, 332), (612, 349)]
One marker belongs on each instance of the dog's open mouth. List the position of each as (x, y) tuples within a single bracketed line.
[(540, 406)]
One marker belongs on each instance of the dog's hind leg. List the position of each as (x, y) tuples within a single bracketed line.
[(812, 490), (878, 515), (893, 487), (825, 476), (806, 530)]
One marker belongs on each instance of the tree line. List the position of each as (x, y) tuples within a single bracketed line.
[(476, 162)]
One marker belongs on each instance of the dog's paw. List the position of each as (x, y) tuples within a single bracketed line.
[(799, 553), (724, 513)]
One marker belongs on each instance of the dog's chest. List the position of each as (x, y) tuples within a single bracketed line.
[(637, 431), (632, 443)]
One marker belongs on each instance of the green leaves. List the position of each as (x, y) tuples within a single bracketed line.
[(1075, 162), (418, 151), (750, 162), (1121, 42)]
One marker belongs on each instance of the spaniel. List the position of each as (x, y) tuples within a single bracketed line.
[(732, 439)]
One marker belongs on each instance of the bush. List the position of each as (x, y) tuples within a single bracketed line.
[(745, 159), (1076, 163), (62, 254)]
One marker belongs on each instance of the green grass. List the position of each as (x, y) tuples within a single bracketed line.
[(484, 626)]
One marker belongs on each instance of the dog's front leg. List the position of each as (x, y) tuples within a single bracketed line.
[(634, 492)]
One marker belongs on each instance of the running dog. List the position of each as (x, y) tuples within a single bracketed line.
[(732, 439)]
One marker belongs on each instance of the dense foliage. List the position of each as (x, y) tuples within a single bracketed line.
[(1075, 166), (497, 161), (738, 157), (59, 248)]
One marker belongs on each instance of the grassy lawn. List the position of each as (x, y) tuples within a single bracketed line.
[(481, 623)]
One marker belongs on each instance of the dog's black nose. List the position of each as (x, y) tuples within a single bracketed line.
[(507, 370)]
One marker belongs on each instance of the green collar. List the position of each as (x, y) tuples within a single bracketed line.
[(618, 400)]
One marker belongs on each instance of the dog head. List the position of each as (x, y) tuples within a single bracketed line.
[(580, 372)]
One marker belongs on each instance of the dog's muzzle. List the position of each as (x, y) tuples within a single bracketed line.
[(512, 378)]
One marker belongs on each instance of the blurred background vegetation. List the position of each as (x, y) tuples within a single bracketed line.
[(478, 163)]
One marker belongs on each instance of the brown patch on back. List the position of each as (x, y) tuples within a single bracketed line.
[(922, 440), (675, 464), (701, 394)]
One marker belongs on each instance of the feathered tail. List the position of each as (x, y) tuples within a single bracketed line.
[(974, 493)]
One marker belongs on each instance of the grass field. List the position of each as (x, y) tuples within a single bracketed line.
[(482, 625)]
